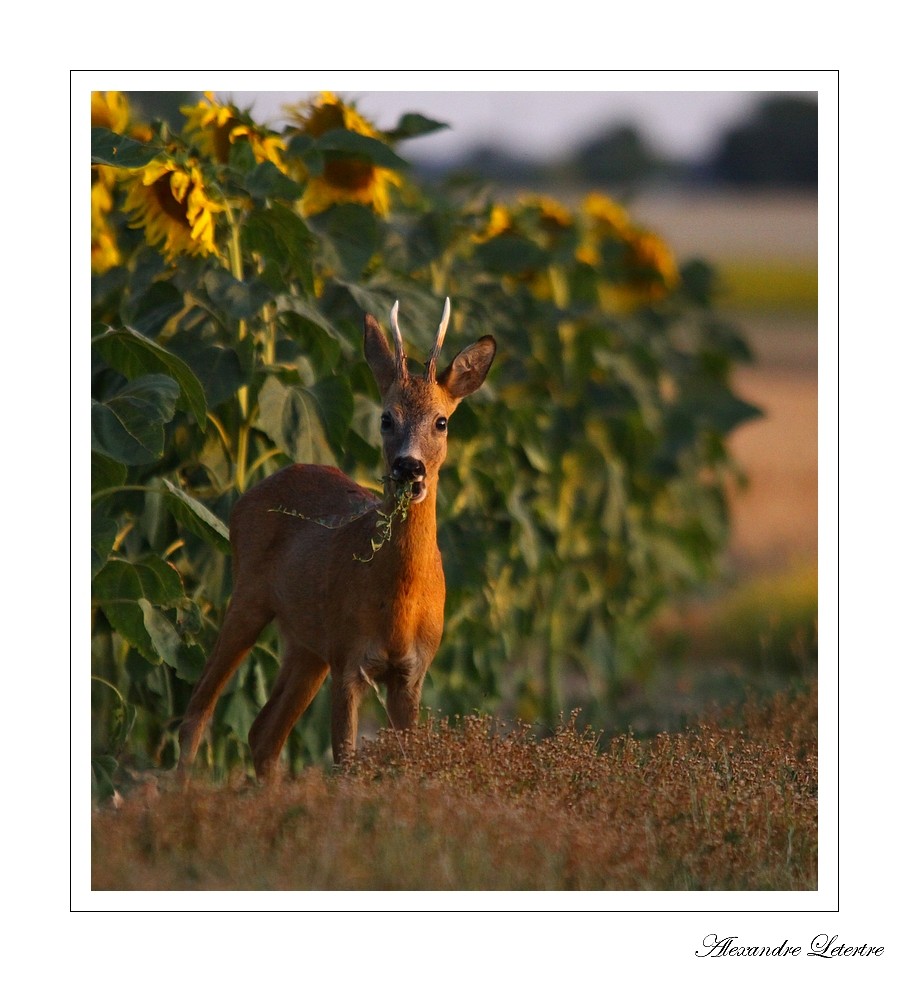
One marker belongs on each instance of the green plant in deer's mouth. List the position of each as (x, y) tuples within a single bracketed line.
[(384, 520)]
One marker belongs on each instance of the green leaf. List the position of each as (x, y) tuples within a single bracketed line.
[(413, 124), (357, 145), (350, 237), (153, 308), (219, 369), (266, 181), (511, 254), (125, 591), (129, 427), (711, 405), (323, 350), (121, 151), (192, 514), (132, 354), (240, 158), (290, 416), (106, 473), (300, 146), (103, 769), (335, 402), (164, 637), (239, 713), (699, 281), (280, 236), (190, 662), (104, 533), (308, 311), (153, 579), (237, 299)]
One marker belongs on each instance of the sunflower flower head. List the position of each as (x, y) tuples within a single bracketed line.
[(605, 214), (111, 110), (105, 252), (551, 214), (171, 204), (345, 178), (213, 128), (638, 266)]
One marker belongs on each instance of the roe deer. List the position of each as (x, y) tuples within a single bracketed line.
[(311, 550)]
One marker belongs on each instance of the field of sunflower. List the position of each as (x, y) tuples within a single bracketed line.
[(231, 268)]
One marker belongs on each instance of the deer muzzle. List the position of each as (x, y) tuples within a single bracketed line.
[(410, 472)]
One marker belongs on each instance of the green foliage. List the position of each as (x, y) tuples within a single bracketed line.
[(586, 480)]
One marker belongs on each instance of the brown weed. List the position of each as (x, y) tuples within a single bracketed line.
[(730, 804)]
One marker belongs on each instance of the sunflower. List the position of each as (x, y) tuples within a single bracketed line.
[(111, 110), (105, 252), (539, 227), (169, 201), (214, 128), (344, 178), (607, 214), (639, 266), (552, 215), (647, 273), (500, 222)]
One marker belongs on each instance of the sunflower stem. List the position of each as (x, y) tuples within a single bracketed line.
[(242, 452), (236, 268)]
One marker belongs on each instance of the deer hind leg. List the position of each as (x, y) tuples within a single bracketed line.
[(302, 674), (243, 623)]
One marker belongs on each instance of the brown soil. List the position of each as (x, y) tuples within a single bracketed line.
[(775, 518)]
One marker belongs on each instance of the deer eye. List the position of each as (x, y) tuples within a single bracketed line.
[(441, 424), (386, 422)]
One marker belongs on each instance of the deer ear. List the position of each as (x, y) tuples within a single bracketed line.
[(468, 370), (378, 355)]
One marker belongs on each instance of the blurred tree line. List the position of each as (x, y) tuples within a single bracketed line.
[(774, 147)]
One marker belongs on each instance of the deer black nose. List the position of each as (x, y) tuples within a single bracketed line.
[(408, 469)]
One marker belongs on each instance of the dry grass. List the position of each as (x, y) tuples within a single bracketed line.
[(730, 804)]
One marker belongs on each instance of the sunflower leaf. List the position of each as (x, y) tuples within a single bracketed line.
[(349, 234), (266, 181), (132, 354), (129, 426), (120, 151), (240, 299), (357, 145), (413, 124), (195, 516)]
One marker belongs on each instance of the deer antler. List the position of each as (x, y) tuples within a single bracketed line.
[(400, 358), (437, 347)]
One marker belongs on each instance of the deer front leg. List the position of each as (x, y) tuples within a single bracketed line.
[(404, 689), (347, 689)]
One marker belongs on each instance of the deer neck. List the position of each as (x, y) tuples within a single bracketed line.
[(413, 542)]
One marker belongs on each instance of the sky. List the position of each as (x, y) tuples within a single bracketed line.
[(537, 124)]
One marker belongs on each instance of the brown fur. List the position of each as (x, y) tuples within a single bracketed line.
[(362, 621)]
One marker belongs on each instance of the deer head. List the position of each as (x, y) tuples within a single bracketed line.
[(416, 408)]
